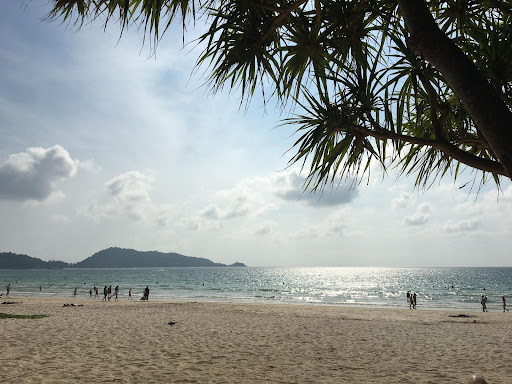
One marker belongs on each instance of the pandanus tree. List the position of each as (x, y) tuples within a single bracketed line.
[(421, 86)]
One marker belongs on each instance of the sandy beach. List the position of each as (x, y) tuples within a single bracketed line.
[(133, 342)]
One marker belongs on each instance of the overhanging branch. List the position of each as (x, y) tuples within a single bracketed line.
[(445, 147)]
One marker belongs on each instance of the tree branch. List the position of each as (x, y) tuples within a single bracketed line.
[(318, 17), (443, 146), (285, 12), (490, 114)]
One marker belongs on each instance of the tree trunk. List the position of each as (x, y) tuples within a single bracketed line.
[(490, 114)]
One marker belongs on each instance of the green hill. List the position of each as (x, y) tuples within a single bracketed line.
[(111, 258), (130, 258), (9, 260)]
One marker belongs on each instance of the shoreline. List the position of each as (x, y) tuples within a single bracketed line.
[(493, 306), (131, 341)]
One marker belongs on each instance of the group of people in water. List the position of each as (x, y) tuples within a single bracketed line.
[(109, 294)]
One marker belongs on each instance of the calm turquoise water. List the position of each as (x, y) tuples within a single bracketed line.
[(437, 288)]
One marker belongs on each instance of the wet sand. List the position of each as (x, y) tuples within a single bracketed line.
[(133, 342)]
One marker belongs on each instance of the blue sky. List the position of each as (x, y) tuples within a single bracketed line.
[(104, 145)]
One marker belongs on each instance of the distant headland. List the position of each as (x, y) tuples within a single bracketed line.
[(111, 258)]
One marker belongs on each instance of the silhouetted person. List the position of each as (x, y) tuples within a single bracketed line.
[(484, 303), (504, 304)]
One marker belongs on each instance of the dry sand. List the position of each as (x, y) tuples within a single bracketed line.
[(132, 342)]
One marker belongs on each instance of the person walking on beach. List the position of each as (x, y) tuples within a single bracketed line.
[(105, 292), (96, 289), (146, 293), (130, 294), (504, 304), (109, 292), (74, 293), (409, 298), (90, 292), (484, 303), (8, 289), (412, 300), (116, 291)]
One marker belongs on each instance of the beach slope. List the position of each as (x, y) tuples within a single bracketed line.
[(133, 342)]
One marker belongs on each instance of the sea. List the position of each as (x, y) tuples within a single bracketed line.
[(436, 288)]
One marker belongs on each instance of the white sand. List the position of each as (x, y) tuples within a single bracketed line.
[(132, 342)]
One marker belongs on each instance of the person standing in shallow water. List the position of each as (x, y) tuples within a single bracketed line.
[(504, 304), (104, 294), (414, 300), (483, 301)]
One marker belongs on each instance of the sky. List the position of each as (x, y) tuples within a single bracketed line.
[(105, 145)]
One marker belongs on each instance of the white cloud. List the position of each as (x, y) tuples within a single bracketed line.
[(334, 225), (290, 186), (401, 201), (264, 229), (462, 226), (416, 219), (34, 174), (234, 204), (248, 198), (90, 166), (130, 187), (420, 217), (126, 195), (338, 222)]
